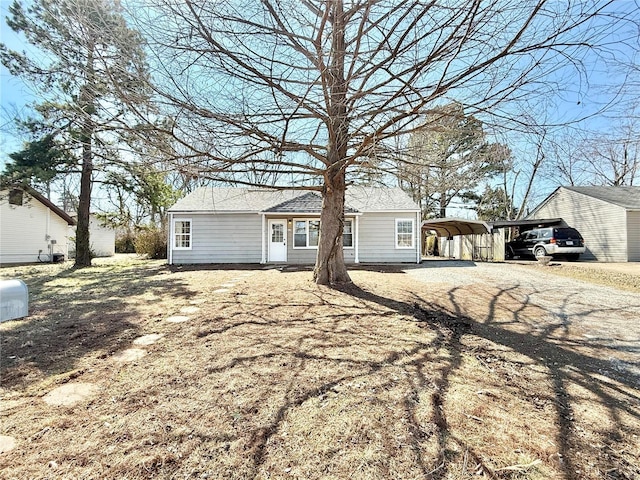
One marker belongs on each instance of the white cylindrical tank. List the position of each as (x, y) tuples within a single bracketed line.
[(14, 299)]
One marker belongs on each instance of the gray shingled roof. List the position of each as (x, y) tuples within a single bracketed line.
[(626, 197), (307, 202), (228, 200), (310, 202)]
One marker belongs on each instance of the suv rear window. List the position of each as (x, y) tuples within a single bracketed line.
[(564, 233)]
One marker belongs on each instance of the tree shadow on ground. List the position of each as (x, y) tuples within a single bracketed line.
[(75, 312), (565, 367)]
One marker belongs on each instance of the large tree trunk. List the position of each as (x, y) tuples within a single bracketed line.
[(83, 245), (330, 268)]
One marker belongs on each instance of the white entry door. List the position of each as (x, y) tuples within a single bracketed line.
[(277, 240)]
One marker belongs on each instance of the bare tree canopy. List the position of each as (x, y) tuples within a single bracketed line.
[(304, 90), (598, 158)]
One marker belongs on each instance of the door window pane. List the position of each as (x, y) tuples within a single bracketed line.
[(277, 233)]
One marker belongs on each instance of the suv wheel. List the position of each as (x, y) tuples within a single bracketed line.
[(539, 252)]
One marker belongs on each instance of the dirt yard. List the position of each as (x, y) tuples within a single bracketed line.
[(449, 370)]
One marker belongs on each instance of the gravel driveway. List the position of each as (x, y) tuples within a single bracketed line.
[(593, 315)]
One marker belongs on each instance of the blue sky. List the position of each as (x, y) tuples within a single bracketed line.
[(582, 99)]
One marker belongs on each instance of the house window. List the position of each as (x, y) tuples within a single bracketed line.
[(16, 197), (306, 233), (347, 234), (182, 234), (404, 233)]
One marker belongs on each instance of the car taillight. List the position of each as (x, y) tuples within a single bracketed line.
[(553, 240)]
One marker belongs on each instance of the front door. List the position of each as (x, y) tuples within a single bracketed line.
[(277, 240)]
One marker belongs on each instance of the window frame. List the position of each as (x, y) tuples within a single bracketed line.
[(315, 247), (174, 234), (353, 234), (398, 233), (306, 233)]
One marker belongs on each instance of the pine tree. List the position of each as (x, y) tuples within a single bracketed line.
[(88, 68)]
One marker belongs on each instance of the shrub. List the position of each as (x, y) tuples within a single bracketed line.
[(151, 242), (125, 243)]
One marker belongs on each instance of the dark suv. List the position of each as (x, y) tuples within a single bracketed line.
[(548, 241)]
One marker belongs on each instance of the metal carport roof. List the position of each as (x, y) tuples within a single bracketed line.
[(450, 227)]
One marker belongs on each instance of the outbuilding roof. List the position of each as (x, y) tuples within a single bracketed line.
[(248, 200), (626, 197)]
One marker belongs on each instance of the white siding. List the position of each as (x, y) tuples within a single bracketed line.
[(102, 240), (633, 236), (232, 238), (377, 238), (603, 225), (27, 229)]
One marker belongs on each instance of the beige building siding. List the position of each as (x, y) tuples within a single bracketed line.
[(633, 235), (101, 238), (28, 229), (487, 247), (602, 224)]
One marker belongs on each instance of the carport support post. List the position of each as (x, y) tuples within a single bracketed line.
[(419, 235)]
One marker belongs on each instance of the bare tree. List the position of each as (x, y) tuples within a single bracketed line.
[(305, 90), (598, 158)]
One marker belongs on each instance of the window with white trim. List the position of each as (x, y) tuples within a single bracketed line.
[(404, 232), (306, 233), (347, 234), (182, 234)]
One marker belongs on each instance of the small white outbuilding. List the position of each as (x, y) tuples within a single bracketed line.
[(32, 228)]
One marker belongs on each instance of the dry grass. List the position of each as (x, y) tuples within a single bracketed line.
[(280, 378)]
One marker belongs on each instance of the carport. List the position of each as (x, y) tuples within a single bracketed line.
[(450, 227), (466, 239)]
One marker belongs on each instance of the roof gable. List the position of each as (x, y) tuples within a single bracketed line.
[(30, 192), (306, 203)]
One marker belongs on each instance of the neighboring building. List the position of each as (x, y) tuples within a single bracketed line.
[(102, 239), (240, 225), (607, 217), (32, 229)]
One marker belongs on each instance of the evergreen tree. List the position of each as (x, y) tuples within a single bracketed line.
[(448, 157), (88, 67)]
